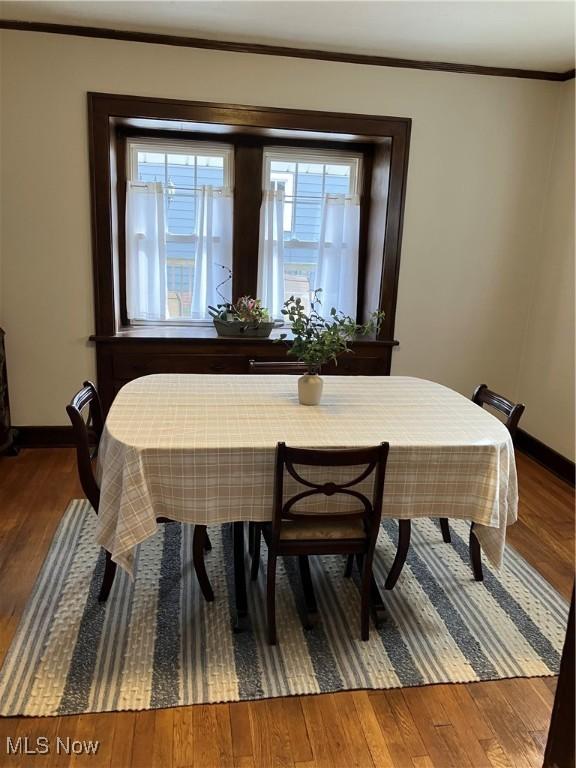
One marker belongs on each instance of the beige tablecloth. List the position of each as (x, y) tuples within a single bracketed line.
[(200, 449)]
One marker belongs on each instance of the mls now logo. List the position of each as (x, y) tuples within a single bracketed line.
[(41, 745)]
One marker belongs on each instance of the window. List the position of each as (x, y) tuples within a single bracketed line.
[(179, 210), (178, 229), (309, 228)]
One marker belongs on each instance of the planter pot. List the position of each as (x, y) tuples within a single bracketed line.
[(238, 328), (310, 389)]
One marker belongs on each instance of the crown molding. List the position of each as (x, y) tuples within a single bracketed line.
[(280, 50)]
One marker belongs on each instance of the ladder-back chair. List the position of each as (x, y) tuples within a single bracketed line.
[(87, 435), (512, 411), (296, 531)]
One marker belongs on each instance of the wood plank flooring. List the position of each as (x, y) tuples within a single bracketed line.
[(500, 724)]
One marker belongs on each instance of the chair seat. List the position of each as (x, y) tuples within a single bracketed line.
[(310, 530)]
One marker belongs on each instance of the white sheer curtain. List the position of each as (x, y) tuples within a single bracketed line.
[(214, 250), (337, 267), (271, 251), (146, 257), (145, 252), (337, 271)]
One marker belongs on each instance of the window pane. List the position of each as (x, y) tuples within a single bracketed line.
[(184, 205), (181, 170), (180, 212), (151, 158), (307, 219), (179, 276), (313, 169), (181, 159), (187, 171), (299, 273), (337, 183), (151, 166), (306, 181), (338, 170), (209, 175), (210, 162), (282, 167)]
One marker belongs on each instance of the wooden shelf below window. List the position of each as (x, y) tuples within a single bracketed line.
[(143, 350)]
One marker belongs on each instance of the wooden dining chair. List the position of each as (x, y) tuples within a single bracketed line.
[(281, 366), (87, 434), (512, 411), (296, 531)]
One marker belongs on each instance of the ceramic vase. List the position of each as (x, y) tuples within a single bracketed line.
[(310, 389)]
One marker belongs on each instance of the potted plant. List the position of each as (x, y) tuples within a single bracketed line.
[(317, 340), (247, 317)]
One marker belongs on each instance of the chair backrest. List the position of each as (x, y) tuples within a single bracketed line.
[(86, 432), (513, 411), (370, 460), (289, 366)]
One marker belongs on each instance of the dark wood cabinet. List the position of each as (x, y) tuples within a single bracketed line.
[(143, 351)]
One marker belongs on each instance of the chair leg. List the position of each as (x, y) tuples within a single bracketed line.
[(271, 598), (404, 531), (349, 566), (255, 540), (445, 528), (475, 555), (240, 595), (308, 587), (198, 543), (108, 578), (207, 543), (365, 597)]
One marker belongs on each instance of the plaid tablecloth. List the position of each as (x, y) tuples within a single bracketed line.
[(200, 449)]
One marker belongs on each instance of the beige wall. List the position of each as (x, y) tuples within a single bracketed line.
[(546, 376), (478, 166)]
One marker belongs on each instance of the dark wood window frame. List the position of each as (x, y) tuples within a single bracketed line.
[(123, 351), (112, 118)]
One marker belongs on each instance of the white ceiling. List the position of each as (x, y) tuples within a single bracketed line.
[(528, 34)]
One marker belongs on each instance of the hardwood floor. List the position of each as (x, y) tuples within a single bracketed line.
[(500, 724)]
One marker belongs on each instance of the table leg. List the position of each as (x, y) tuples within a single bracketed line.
[(308, 589), (475, 555), (378, 607), (240, 578)]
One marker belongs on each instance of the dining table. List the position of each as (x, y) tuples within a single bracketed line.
[(200, 449)]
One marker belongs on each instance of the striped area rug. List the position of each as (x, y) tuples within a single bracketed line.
[(157, 643)]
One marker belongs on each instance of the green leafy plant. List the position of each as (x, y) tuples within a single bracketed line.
[(245, 310), (317, 340)]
